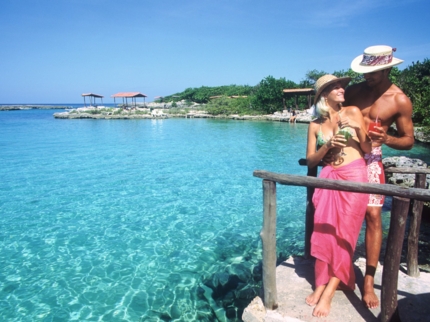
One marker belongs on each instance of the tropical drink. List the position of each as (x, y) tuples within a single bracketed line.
[(346, 134), (373, 124)]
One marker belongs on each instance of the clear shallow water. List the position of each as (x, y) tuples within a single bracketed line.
[(123, 220)]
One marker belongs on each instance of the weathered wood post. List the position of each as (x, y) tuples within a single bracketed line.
[(414, 229), (310, 211), (390, 273), (268, 237)]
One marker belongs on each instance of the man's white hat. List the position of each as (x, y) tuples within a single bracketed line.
[(375, 58)]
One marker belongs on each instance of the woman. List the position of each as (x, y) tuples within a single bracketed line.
[(339, 131)]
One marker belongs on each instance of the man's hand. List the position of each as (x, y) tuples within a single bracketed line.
[(379, 137)]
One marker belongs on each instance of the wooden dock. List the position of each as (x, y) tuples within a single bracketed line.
[(294, 280)]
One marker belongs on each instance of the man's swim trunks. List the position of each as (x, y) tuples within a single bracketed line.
[(375, 173)]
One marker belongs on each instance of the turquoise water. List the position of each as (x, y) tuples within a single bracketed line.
[(128, 220)]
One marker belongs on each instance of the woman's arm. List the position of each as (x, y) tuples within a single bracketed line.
[(314, 156)]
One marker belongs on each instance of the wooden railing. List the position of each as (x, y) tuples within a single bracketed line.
[(414, 227), (399, 213)]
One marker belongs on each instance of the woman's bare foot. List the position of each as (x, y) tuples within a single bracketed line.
[(369, 296), (324, 304), (323, 307), (313, 298)]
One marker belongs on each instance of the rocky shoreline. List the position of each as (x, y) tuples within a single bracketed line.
[(147, 113)]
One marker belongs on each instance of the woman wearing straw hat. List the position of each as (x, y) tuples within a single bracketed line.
[(338, 214)]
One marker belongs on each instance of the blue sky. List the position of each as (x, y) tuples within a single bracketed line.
[(52, 51)]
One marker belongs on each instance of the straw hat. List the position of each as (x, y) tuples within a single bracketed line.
[(375, 58), (327, 80)]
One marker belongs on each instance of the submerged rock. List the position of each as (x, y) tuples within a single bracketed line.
[(231, 290)]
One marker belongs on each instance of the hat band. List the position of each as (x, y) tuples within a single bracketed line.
[(371, 60)]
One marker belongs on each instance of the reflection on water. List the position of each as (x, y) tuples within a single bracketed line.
[(128, 220)]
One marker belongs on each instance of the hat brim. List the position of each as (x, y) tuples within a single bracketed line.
[(362, 69), (343, 80)]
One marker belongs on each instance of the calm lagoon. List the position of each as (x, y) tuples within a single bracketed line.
[(128, 220)]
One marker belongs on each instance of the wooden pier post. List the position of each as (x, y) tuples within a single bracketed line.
[(310, 211), (268, 237), (414, 229), (390, 273)]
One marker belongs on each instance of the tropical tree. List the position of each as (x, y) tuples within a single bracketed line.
[(355, 77), (268, 95), (311, 78), (395, 75), (415, 83)]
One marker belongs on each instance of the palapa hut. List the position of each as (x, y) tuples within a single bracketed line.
[(92, 97), (296, 92), (132, 95)]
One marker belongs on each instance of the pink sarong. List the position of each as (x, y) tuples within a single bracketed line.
[(337, 223)]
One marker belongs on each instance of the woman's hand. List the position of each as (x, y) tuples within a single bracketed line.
[(348, 122), (336, 141), (343, 122)]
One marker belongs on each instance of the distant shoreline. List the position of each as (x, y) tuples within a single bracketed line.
[(16, 107), (146, 113)]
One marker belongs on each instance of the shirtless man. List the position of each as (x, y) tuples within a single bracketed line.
[(379, 99)]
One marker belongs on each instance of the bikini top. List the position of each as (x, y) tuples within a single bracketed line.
[(321, 139)]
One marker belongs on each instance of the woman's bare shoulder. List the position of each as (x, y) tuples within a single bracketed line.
[(352, 110), (313, 125), (316, 122)]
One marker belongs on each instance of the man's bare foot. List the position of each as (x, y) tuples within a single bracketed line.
[(369, 297), (313, 298), (323, 307)]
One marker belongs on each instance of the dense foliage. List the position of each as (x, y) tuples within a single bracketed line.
[(415, 82), (204, 93), (228, 106), (267, 96)]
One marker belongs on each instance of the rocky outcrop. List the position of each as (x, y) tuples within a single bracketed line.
[(421, 136), (403, 180), (111, 113)]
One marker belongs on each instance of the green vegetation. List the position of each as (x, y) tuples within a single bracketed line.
[(179, 111), (267, 96), (415, 82), (94, 111), (228, 106)]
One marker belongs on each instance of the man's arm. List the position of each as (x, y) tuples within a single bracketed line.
[(405, 127)]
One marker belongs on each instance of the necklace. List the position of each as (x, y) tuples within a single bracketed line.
[(339, 122)]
